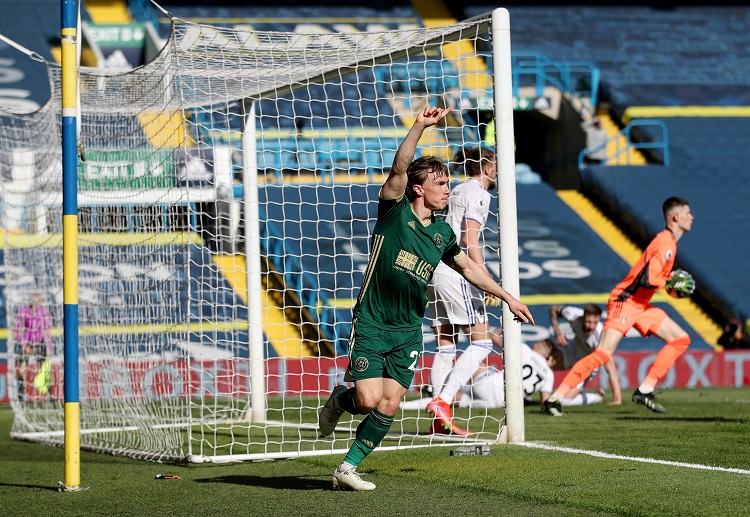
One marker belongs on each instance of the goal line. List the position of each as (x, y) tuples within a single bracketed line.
[(638, 459)]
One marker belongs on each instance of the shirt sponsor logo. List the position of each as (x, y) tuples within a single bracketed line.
[(361, 364), (415, 266)]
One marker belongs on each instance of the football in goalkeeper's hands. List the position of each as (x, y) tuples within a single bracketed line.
[(680, 284)]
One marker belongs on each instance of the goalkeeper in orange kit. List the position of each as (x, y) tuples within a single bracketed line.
[(629, 306)]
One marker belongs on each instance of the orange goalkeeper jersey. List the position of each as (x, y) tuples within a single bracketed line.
[(650, 272)]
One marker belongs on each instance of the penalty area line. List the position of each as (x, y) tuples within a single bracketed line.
[(606, 455)]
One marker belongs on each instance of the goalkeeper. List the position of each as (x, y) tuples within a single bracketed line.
[(629, 307), (386, 339)]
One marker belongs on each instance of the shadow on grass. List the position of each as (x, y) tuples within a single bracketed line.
[(278, 482), (37, 487)]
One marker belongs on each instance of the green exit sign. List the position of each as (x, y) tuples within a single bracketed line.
[(106, 35)]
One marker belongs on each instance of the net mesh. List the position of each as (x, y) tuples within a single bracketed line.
[(166, 368)]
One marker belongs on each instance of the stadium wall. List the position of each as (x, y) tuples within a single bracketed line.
[(318, 376)]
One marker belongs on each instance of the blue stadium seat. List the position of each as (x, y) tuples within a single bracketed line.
[(324, 231), (648, 56), (709, 165)]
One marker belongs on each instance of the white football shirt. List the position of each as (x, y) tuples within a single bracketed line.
[(466, 201), (536, 373)]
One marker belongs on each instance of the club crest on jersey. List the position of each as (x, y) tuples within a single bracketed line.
[(411, 225), (361, 364), (438, 239), (669, 254)]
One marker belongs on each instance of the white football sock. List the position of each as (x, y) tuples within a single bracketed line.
[(415, 404), (465, 367), (645, 388), (582, 399), (468, 402), (441, 367)]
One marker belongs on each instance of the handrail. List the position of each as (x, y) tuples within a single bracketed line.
[(660, 144), (564, 75)]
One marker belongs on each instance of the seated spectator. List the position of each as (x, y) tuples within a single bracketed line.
[(585, 328)]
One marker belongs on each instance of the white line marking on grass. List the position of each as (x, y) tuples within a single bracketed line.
[(597, 454)]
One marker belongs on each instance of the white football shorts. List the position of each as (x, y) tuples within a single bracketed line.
[(455, 301)]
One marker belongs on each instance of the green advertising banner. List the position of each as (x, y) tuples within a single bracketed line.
[(126, 170)]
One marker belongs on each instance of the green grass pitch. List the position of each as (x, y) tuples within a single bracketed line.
[(706, 427)]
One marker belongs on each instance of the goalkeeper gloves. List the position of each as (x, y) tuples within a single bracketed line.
[(43, 379), (680, 284)]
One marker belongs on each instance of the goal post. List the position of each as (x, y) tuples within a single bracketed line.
[(257, 410), (508, 220), (227, 191)]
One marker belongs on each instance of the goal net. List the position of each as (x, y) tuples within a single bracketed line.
[(227, 191)]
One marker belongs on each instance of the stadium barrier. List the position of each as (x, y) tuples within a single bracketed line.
[(313, 377)]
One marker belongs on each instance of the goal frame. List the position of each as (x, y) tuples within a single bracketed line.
[(252, 409)]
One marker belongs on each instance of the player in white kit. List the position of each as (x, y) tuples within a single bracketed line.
[(487, 388), (455, 305)]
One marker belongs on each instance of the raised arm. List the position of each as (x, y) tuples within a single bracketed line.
[(395, 185), (560, 337), (477, 276)]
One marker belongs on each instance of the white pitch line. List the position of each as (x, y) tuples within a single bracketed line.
[(597, 454)]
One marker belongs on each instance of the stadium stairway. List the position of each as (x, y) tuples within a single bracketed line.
[(684, 55), (461, 54), (653, 66), (709, 160), (283, 334), (629, 252), (562, 260), (108, 11), (617, 141)]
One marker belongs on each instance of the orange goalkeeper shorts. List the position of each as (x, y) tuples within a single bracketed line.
[(621, 316)]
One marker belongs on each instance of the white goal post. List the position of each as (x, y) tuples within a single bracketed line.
[(227, 191)]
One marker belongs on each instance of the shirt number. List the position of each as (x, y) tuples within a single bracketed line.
[(415, 355), (528, 371)]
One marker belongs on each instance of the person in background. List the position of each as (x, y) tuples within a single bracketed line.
[(32, 331)]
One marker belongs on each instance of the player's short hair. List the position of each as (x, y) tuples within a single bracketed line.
[(419, 170), (470, 160), (557, 356), (591, 309), (671, 203)]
